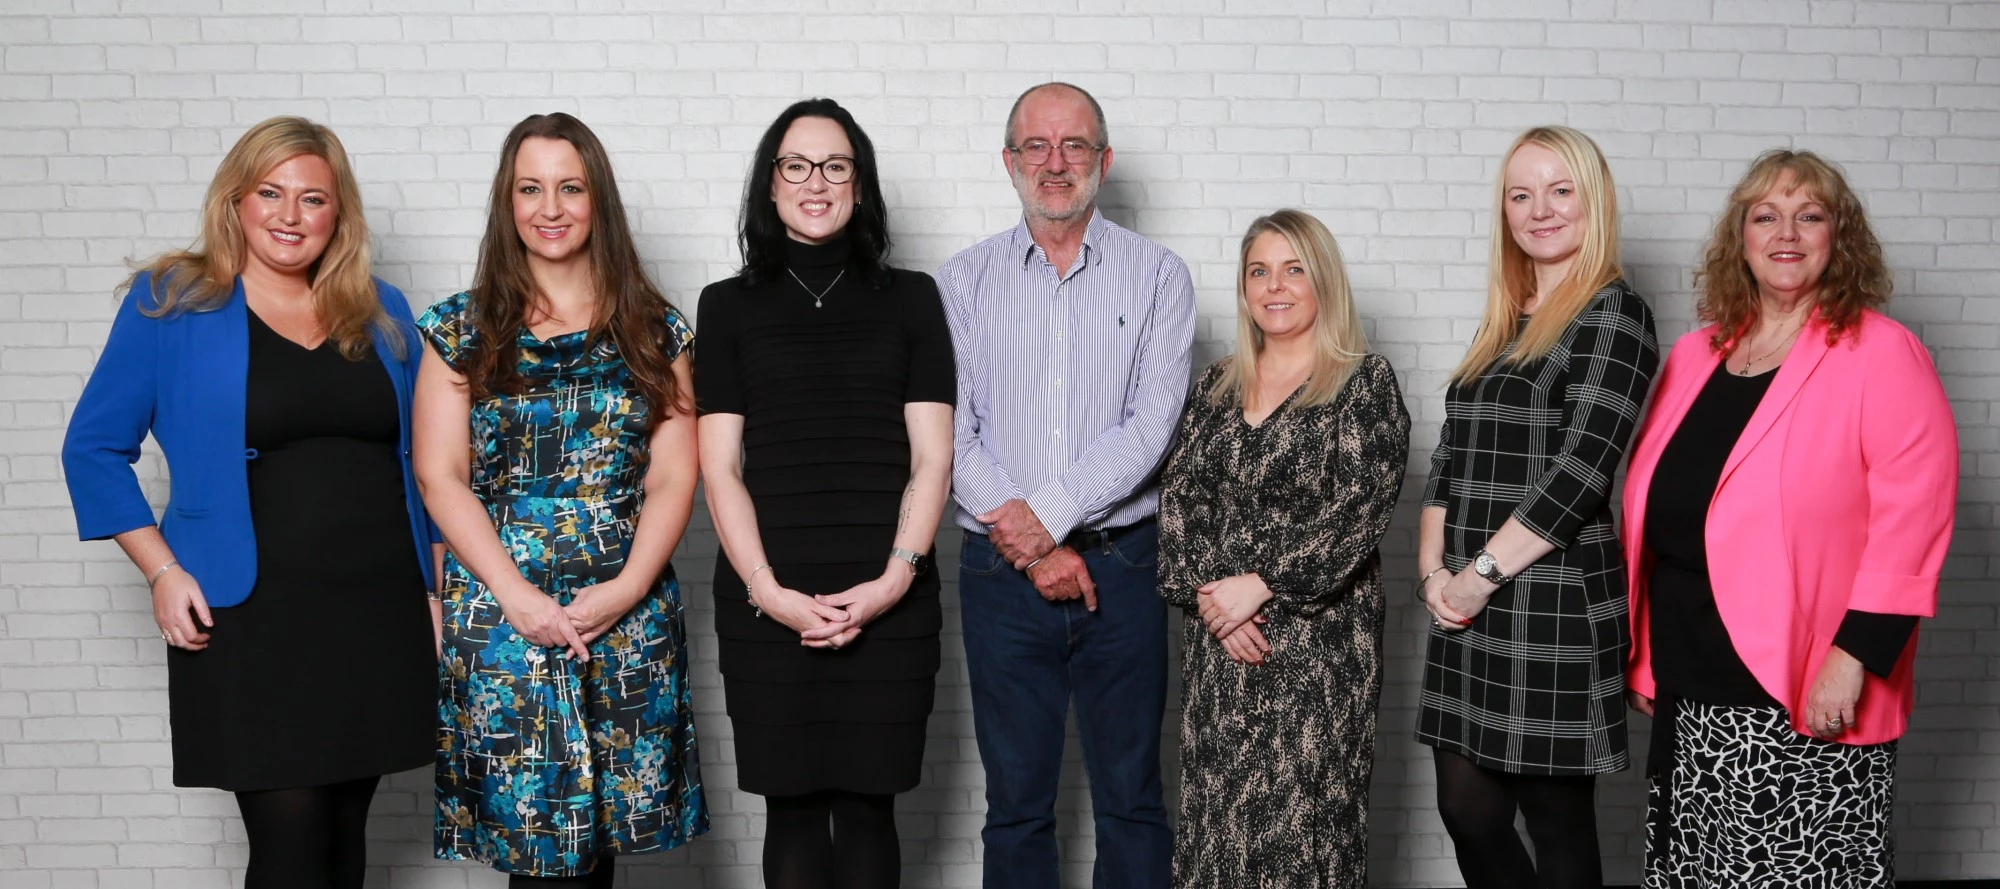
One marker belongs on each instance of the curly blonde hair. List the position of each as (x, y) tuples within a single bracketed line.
[(1856, 277)]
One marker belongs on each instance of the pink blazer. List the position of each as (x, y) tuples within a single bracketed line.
[(1839, 495)]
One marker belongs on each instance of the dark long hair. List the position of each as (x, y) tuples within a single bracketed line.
[(630, 311), (761, 234)]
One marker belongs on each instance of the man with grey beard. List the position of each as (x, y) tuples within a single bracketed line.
[(1072, 338)]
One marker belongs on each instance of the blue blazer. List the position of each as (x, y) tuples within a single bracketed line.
[(183, 378)]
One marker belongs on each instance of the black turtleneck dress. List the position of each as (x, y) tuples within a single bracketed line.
[(826, 457)]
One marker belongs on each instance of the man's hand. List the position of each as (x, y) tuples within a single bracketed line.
[(1017, 534), (1062, 575)]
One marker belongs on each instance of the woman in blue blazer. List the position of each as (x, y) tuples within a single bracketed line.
[(290, 570)]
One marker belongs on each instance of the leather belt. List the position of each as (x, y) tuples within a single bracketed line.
[(1091, 538)]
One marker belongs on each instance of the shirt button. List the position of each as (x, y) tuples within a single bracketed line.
[(1058, 383), (1059, 433)]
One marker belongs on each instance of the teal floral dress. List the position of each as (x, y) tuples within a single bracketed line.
[(544, 764)]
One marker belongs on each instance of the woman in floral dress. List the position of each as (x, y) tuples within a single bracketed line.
[(554, 403)]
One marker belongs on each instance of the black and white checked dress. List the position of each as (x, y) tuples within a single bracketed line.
[(1536, 685)]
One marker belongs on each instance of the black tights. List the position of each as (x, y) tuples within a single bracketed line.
[(598, 878), (802, 832), (308, 837), (1478, 805)]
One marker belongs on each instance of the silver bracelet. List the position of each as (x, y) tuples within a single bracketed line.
[(1427, 579), (759, 612), (162, 572)]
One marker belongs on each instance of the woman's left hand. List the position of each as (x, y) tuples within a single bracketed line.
[(1227, 603), (863, 602), (596, 608), (1834, 694)]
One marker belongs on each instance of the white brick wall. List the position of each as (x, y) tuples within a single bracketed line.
[(1383, 117)]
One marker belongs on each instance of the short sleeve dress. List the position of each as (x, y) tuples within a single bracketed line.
[(545, 764), (820, 368)]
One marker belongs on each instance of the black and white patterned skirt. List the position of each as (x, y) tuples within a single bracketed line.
[(1748, 802)]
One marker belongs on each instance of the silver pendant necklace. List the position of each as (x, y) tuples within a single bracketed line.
[(817, 297)]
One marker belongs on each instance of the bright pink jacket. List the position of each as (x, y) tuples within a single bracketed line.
[(1838, 495)]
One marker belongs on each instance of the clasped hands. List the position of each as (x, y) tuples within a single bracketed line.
[(1057, 572), (831, 621), (591, 612), (1232, 608), (1455, 599)]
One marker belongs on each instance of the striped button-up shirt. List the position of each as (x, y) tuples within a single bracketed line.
[(1070, 382)]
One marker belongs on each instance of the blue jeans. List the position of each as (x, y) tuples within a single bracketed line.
[(1025, 656)]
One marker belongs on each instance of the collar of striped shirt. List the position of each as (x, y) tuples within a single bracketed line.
[(1023, 241), (1070, 380)]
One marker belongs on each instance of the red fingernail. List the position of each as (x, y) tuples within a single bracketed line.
[(1465, 621)]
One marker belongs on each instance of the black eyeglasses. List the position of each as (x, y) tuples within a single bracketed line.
[(1036, 151), (796, 170)]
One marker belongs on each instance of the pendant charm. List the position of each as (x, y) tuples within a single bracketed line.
[(819, 295)]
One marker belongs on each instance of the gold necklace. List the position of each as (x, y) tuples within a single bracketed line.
[(1773, 351)]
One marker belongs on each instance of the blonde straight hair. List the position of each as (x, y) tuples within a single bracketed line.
[(202, 277), (1338, 343), (1510, 280)]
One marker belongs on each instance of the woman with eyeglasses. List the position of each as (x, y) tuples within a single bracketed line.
[(824, 382)]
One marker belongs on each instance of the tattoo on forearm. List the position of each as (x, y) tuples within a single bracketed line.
[(903, 518)]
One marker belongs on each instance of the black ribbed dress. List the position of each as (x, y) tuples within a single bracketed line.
[(826, 459)]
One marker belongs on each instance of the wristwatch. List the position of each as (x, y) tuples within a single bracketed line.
[(916, 559), (1484, 565)]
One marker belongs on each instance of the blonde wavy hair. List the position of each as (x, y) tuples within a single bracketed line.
[(1338, 343), (202, 277), (1511, 272), (1856, 277)]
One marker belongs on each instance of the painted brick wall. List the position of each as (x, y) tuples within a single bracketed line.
[(1385, 117)]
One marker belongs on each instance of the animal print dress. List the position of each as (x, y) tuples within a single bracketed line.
[(1276, 758), (1749, 802)]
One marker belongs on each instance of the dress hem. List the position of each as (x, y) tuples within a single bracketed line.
[(452, 855), (1622, 762), (428, 759)]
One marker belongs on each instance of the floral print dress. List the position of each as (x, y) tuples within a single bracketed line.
[(545, 764)]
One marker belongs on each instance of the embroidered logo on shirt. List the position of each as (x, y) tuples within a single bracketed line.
[(1121, 320)]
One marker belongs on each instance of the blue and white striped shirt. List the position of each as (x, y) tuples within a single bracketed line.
[(1070, 383)]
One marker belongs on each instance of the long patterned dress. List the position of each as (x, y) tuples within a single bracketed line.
[(1276, 758), (546, 764)]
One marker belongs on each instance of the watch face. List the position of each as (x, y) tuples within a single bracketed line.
[(1483, 564)]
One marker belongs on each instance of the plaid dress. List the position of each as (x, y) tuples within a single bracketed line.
[(1536, 685)]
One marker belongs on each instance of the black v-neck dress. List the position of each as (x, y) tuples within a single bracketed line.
[(327, 672)]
